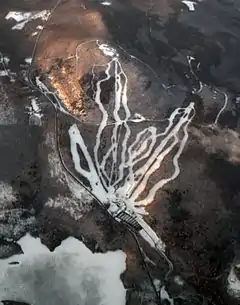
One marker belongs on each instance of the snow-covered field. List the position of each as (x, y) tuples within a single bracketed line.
[(71, 274)]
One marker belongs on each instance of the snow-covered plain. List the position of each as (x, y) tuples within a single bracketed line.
[(69, 274)]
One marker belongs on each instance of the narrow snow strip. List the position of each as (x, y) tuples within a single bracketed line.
[(165, 296), (190, 5)]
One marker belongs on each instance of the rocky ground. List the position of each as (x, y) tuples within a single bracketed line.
[(175, 54)]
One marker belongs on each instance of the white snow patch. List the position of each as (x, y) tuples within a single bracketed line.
[(70, 272), (150, 236), (5, 60), (39, 28), (106, 3), (3, 73), (165, 296), (79, 191), (75, 208), (34, 109), (137, 117), (7, 72), (157, 284), (32, 246), (56, 170), (107, 50), (75, 139), (178, 280), (41, 85), (233, 284), (34, 113), (7, 195), (22, 18), (147, 238), (28, 60), (18, 16), (190, 5), (55, 167)]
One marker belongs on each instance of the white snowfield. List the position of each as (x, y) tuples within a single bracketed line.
[(233, 284), (70, 272), (22, 18)]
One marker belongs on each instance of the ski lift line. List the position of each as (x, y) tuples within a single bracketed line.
[(115, 139), (103, 122), (127, 113)]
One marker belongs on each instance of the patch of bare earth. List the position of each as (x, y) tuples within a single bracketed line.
[(63, 80)]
